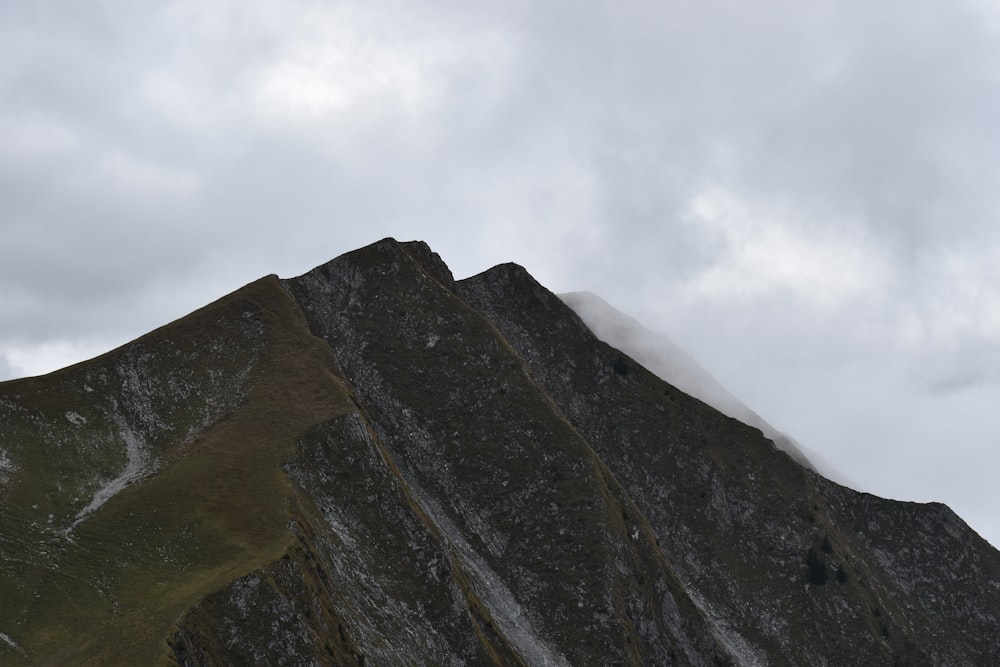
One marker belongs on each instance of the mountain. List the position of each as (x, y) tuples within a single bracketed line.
[(657, 353), (376, 464)]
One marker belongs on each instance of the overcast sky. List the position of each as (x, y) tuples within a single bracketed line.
[(803, 194)]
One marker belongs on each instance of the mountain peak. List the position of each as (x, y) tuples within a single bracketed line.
[(373, 463)]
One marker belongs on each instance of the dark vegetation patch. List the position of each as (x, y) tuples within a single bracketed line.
[(620, 365), (816, 570)]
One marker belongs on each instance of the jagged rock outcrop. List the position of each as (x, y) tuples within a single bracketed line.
[(376, 464)]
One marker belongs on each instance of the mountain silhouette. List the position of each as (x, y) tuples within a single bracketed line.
[(376, 464)]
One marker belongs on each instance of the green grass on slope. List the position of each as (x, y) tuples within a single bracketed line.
[(215, 511)]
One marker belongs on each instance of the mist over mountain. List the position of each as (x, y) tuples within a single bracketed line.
[(657, 353), (376, 464)]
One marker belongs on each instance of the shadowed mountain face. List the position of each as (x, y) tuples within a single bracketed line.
[(374, 464)]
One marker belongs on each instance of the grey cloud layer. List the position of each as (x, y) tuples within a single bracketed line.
[(803, 195)]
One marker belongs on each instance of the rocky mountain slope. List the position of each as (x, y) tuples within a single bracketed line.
[(660, 355), (375, 464)]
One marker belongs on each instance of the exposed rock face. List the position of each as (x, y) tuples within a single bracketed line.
[(659, 354), (374, 464)]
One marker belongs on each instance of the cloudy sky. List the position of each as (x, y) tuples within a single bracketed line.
[(804, 194)]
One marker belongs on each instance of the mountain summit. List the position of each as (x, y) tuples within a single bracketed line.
[(376, 464)]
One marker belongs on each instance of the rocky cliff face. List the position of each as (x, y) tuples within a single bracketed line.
[(375, 464)]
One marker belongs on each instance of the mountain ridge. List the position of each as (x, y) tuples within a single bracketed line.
[(658, 353), (374, 463)]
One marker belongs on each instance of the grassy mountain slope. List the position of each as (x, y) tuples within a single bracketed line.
[(215, 402)]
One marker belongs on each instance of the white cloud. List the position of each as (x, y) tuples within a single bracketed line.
[(7, 369), (948, 322), (965, 297), (33, 139), (130, 176), (335, 70), (763, 250), (26, 360)]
